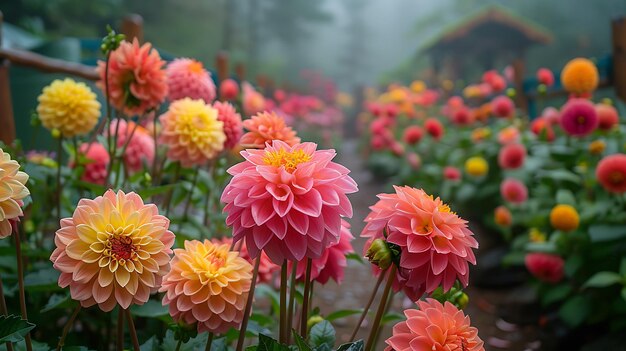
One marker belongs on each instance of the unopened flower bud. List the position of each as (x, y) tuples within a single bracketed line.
[(462, 301), (313, 320), (379, 254), (55, 133)]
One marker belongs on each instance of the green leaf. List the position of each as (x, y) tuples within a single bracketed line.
[(13, 328), (556, 293), (300, 342), (322, 333), (572, 264), (391, 317), (44, 278), (622, 266), (151, 344), (602, 232), (341, 314), (266, 343), (560, 175), (353, 346), (574, 311), (57, 301), (564, 196), (155, 190), (602, 280), (355, 257), (150, 309)]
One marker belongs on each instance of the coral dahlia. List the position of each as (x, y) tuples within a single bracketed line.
[(545, 267), (113, 250), (97, 162), (265, 127), (435, 326), (611, 173), (137, 81), (288, 200), (233, 127), (436, 245), (138, 141)]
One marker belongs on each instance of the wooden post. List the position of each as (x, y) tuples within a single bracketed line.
[(240, 70), (519, 69), (7, 121), (619, 57), (132, 27), (221, 64)]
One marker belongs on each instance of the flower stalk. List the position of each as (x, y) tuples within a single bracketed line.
[(381, 309), (20, 281)]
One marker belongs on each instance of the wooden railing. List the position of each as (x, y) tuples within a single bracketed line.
[(132, 27)]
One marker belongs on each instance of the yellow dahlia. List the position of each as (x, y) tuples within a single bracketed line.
[(12, 191), (192, 131), (207, 284), (68, 106), (564, 217), (114, 250), (476, 166)]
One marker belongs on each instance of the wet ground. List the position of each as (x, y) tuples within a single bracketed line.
[(485, 305)]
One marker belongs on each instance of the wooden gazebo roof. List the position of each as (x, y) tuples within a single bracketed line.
[(491, 30)]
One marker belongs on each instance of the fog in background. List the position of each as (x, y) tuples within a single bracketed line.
[(354, 41)]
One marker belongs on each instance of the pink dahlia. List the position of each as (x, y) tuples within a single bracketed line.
[(545, 267), (288, 200), (452, 173), (462, 116), (607, 116), (187, 78), (579, 117), (233, 127), (513, 191), (512, 156), (508, 135), (139, 150), (611, 173), (542, 128), (545, 77), (333, 261), (412, 135), (503, 106), (434, 128), (137, 81), (253, 102), (435, 326), (229, 89), (436, 245), (96, 165)]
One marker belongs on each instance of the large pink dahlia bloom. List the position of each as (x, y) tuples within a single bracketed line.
[(113, 250), (435, 326), (436, 245), (288, 200)]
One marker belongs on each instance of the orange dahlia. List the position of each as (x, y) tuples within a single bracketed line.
[(113, 250), (580, 76), (435, 326), (264, 127), (137, 81), (207, 284), (12, 191)]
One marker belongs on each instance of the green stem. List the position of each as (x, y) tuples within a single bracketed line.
[(246, 314), (381, 309), (4, 311), (305, 302), (67, 328), (123, 150), (381, 277), (131, 328), (194, 181), (59, 185), (120, 329), (209, 342), (283, 303), (20, 282), (292, 299), (179, 344), (168, 197)]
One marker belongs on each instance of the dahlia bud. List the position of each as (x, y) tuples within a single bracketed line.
[(379, 254), (55, 133), (510, 92), (313, 320), (462, 301)]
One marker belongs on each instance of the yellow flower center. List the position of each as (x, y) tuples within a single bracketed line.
[(195, 67), (288, 159), (209, 266)]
